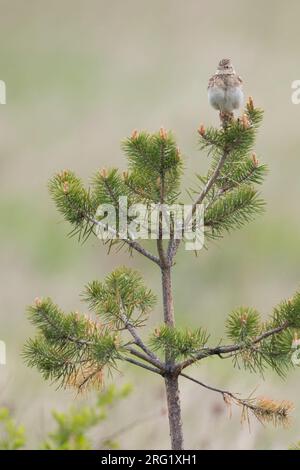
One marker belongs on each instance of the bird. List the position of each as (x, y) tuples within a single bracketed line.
[(225, 89)]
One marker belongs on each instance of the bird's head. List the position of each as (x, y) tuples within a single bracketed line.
[(225, 66)]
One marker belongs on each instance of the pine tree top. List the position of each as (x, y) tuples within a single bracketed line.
[(76, 350)]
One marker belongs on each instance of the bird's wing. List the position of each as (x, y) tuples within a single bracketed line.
[(211, 82)]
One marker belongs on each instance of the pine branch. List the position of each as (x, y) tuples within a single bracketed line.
[(180, 342), (219, 350), (245, 173), (149, 156), (70, 349), (264, 409), (141, 193), (274, 351), (274, 338), (131, 243), (233, 210), (229, 148), (139, 342), (174, 244), (78, 207), (122, 294), (143, 366), (72, 201), (137, 352)]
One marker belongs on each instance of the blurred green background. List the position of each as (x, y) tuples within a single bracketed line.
[(80, 75)]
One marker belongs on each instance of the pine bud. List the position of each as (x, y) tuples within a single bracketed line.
[(177, 153), (63, 174), (157, 332), (163, 133), (38, 302), (296, 342), (66, 187), (125, 175), (250, 103), (254, 159), (245, 121), (227, 399), (228, 402), (116, 341), (103, 173), (134, 134), (201, 130)]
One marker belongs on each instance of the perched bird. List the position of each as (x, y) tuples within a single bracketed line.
[(225, 91)]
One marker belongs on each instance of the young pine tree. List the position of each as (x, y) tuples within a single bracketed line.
[(78, 351)]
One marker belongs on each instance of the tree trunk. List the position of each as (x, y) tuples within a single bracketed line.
[(171, 380), (167, 297), (174, 412)]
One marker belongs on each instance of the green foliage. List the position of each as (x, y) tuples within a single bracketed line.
[(288, 311), (74, 350), (295, 446), (70, 349), (73, 428), (12, 436), (237, 139), (122, 296), (155, 164), (73, 202), (242, 324), (233, 210), (155, 169), (108, 186), (275, 350), (181, 343), (247, 171), (233, 200)]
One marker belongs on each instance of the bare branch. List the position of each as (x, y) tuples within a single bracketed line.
[(139, 248), (146, 358), (139, 342), (213, 389), (144, 366), (132, 243), (264, 409)]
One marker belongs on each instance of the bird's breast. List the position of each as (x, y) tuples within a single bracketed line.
[(225, 99)]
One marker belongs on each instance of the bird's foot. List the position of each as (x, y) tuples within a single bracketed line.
[(226, 118)]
